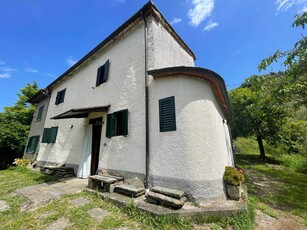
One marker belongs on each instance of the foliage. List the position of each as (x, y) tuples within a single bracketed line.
[(233, 176), (15, 124), (258, 112), (21, 161), (292, 84), (276, 154)]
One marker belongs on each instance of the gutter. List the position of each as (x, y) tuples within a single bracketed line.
[(146, 105)]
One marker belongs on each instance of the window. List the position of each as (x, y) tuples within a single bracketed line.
[(60, 97), (32, 144), (50, 135), (117, 124), (167, 114), (40, 113), (102, 73)]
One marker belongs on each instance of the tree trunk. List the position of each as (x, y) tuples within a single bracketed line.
[(261, 148)]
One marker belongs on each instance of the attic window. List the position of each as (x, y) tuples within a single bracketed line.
[(60, 97), (40, 113), (167, 114), (102, 73)]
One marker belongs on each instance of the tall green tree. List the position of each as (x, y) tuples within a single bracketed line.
[(257, 112), (292, 84), (15, 124)]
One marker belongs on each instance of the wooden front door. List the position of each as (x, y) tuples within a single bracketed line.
[(97, 124)]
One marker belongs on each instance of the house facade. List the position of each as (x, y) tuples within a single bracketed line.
[(136, 106)]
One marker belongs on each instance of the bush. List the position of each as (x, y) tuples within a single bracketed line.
[(21, 161), (294, 161), (233, 176)]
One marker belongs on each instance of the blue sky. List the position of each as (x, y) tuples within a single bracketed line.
[(40, 40)]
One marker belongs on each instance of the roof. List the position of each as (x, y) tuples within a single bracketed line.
[(148, 9), (216, 82), (80, 112), (39, 96)]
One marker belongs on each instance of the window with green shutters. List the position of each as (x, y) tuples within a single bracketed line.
[(102, 73), (40, 113), (49, 135), (60, 97), (117, 124), (167, 114), (32, 144)]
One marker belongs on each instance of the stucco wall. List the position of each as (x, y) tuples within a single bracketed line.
[(193, 157), (123, 90), (163, 49), (37, 126)]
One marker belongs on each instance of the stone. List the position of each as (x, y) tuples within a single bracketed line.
[(112, 176), (129, 190), (168, 192), (59, 224), (166, 200), (80, 202), (4, 206), (104, 179), (98, 214), (233, 191), (46, 214)]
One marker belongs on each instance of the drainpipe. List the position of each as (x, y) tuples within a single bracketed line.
[(146, 105)]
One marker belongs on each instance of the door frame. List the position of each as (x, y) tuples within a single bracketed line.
[(96, 140)]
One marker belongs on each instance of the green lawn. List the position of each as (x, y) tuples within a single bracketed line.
[(273, 188)]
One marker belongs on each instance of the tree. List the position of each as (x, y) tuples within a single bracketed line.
[(292, 84), (257, 112), (15, 124)]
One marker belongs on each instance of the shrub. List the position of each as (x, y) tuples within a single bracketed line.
[(233, 176), (21, 161)]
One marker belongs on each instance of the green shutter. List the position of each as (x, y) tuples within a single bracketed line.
[(125, 122), (40, 113), (57, 99), (98, 79), (167, 114), (110, 125), (28, 150), (46, 135), (62, 95), (32, 144), (105, 71), (53, 134)]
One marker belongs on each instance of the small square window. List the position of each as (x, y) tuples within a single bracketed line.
[(32, 144), (117, 124)]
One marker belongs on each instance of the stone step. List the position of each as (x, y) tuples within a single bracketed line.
[(129, 190), (165, 201), (119, 178), (104, 179), (168, 192)]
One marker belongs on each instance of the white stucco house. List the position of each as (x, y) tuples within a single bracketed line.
[(135, 105)]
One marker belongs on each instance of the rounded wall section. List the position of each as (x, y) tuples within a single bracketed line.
[(193, 157)]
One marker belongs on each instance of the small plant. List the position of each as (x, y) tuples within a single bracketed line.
[(233, 175), (21, 161)]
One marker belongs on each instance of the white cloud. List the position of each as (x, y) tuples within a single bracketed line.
[(70, 61), (175, 21), (50, 75), (210, 25), (8, 69), (2, 62), (31, 70), (5, 75), (200, 11), (284, 5)]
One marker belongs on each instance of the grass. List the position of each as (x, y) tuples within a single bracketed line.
[(130, 216), (275, 189)]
